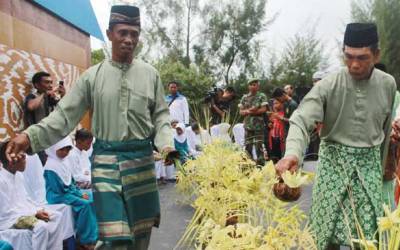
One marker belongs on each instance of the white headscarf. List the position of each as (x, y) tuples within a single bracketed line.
[(238, 134), (182, 137), (34, 181), (57, 165), (224, 132)]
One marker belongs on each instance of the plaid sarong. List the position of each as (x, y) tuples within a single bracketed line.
[(124, 189), (347, 192)]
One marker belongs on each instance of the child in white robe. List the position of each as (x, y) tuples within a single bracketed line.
[(61, 189), (80, 164), (45, 224), (35, 187)]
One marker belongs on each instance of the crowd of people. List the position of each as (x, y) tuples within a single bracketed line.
[(103, 191), (263, 130)]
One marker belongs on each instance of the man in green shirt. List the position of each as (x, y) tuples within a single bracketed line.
[(355, 106), (126, 99), (253, 106)]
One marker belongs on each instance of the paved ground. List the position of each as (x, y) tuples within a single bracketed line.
[(175, 216)]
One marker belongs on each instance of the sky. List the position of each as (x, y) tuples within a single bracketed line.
[(294, 16)]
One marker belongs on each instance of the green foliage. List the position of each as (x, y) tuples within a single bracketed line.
[(385, 13), (170, 26), (303, 56), (97, 56), (230, 36), (361, 11), (195, 81)]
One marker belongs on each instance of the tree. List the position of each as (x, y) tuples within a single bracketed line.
[(230, 36), (385, 13), (302, 57), (170, 27), (97, 56), (361, 11), (195, 81)]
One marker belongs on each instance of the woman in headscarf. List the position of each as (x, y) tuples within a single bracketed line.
[(61, 189), (181, 143)]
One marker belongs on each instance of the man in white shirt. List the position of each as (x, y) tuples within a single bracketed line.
[(177, 104), (46, 226)]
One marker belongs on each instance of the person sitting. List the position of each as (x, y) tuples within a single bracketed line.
[(174, 123), (238, 134), (197, 138), (80, 163), (224, 132), (181, 143), (160, 168), (35, 187), (4, 245), (220, 132), (61, 189), (19, 212)]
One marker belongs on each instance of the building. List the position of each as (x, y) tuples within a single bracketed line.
[(41, 35)]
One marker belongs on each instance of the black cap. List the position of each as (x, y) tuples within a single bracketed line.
[(125, 14), (359, 35)]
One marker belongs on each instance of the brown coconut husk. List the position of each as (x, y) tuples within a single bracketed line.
[(231, 219), (284, 193)]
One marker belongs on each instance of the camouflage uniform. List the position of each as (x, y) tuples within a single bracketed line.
[(254, 124)]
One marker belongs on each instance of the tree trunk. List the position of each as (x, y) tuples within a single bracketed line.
[(187, 58)]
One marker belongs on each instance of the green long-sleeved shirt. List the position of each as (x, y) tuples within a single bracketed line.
[(353, 113), (126, 101)]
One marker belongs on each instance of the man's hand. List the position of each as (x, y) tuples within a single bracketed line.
[(266, 156), (164, 152), (85, 196), (17, 147), (61, 90), (395, 135), (289, 162), (52, 93), (43, 215), (244, 112)]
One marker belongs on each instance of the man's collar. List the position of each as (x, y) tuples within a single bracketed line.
[(121, 66), (177, 95)]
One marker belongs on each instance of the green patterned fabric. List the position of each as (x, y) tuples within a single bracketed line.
[(125, 190), (348, 188), (253, 122), (26, 222)]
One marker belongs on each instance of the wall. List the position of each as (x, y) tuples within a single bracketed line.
[(33, 40)]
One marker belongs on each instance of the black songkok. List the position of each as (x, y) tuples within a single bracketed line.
[(125, 14), (359, 35)]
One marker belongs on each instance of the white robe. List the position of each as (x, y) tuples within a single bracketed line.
[(160, 169), (193, 141), (80, 165), (15, 203), (36, 190), (214, 131), (221, 132), (238, 134)]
